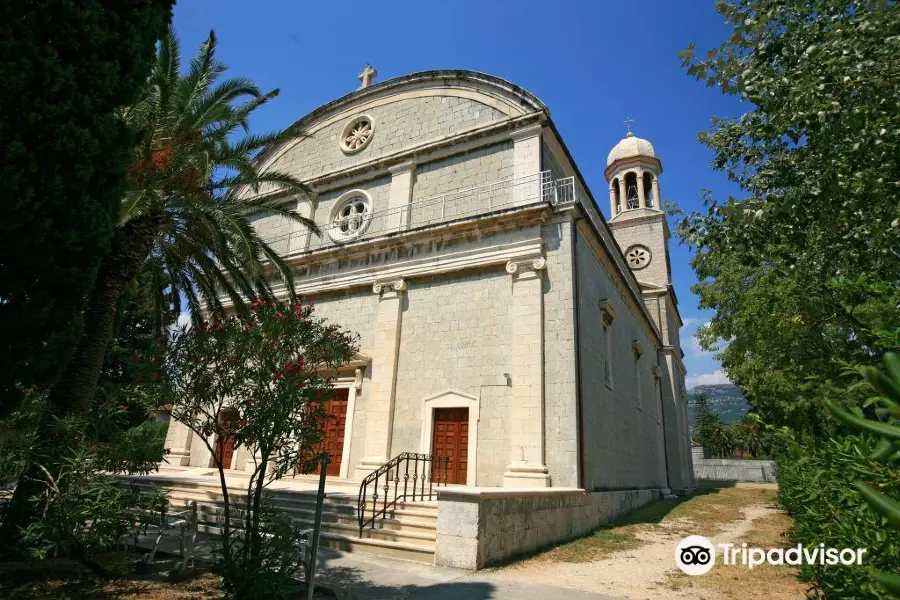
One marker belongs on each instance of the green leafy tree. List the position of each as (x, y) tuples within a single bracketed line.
[(180, 222), (717, 438), (750, 433), (802, 269), (64, 154), (259, 379), (180, 218)]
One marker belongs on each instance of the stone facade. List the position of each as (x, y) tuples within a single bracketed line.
[(481, 528), (480, 274)]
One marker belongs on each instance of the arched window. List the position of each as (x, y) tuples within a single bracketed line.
[(631, 191), (648, 190), (615, 191)]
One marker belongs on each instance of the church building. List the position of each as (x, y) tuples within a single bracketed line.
[(504, 321)]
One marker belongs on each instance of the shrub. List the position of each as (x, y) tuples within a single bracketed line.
[(83, 513), (816, 486), (274, 570), (260, 378)]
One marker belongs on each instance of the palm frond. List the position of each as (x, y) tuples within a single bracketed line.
[(215, 105), (192, 163)]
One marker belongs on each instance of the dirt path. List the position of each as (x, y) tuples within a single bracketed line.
[(649, 571)]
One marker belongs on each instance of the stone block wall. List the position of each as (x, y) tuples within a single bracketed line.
[(648, 231), (480, 528), (623, 438), (399, 125), (727, 469), (455, 335), (274, 230), (442, 187)]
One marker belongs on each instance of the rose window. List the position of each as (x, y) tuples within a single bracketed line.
[(638, 257), (350, 219), (357, 134)]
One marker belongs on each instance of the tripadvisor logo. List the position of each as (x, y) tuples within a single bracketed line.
[(695, 555)]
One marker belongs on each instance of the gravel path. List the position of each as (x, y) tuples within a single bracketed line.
[(636, 574)]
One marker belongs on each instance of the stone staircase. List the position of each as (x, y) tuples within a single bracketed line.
[(408, 535)]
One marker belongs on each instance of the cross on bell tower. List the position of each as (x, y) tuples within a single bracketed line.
[(368, 74)]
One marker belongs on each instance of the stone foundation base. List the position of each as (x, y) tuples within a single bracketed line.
[(480, 527), (526, 476), (366, 466)]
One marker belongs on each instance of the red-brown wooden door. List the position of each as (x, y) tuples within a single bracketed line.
[(225, 444), (451, 439), (333, 443)]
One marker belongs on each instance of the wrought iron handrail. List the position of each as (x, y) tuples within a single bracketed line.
[(390, 473)]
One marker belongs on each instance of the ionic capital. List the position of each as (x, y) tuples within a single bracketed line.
[(396, 285), (523, 268)]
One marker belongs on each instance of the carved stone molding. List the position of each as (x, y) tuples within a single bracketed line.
[(397, 285), (526, 268), (638, 349), (607, 312)]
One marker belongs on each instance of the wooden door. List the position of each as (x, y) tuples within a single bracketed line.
[(336, 422), (450, 438), (225, 444)]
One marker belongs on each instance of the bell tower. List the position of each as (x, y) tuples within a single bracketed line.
[(636, 216), (639, 225)]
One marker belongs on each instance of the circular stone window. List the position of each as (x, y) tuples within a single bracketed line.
[(357, 134), (350, 217), (638, 257)]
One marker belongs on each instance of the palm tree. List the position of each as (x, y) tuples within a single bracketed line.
[(182, 218)]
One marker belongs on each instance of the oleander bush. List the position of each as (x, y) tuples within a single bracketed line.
[(844, 491), (816, 479)]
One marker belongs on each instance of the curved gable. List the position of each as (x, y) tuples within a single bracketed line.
[(407, 112)]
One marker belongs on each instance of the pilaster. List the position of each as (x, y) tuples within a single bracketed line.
[(401, 194), (526, 466), (526, 161), (385, 352), (178, 442), (300, 234)]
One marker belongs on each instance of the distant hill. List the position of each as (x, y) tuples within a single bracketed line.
[(725, 399)]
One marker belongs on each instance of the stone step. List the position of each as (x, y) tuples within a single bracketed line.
[(210, 520), (380, 545), (419, 514), (408, 534)]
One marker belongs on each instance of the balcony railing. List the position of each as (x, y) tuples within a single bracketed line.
[(459, 204)]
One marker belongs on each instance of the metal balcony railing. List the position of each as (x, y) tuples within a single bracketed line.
[(458, 204)]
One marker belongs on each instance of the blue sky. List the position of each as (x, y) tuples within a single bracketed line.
[(592, 62)]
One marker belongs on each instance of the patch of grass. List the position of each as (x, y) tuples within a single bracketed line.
[(599, 544), (710, 510), (706, 512)]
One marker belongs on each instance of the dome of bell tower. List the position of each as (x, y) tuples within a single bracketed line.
[(628, 147)]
